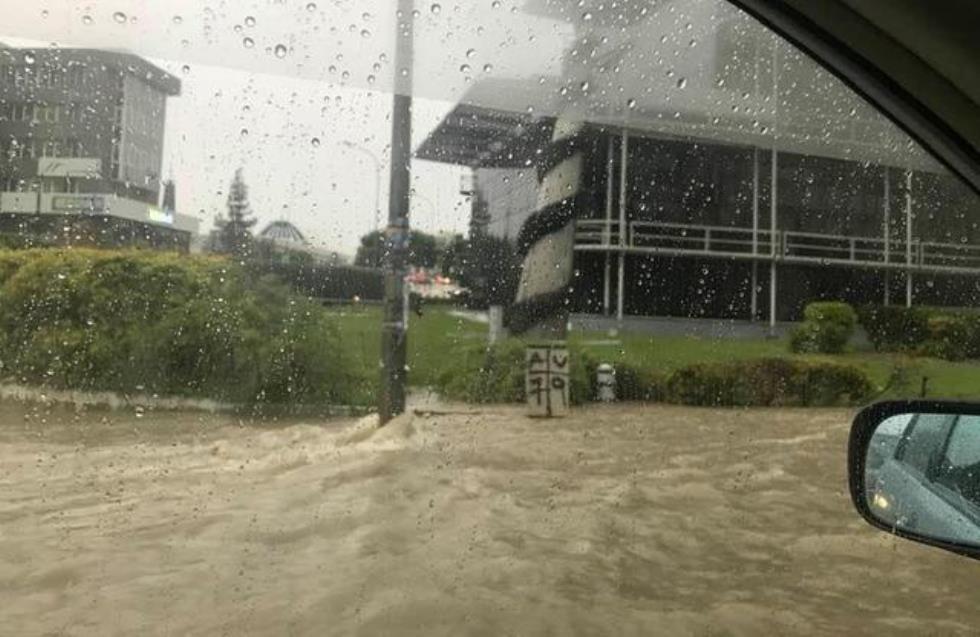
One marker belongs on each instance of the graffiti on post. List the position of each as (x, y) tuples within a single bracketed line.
[(547, 380)]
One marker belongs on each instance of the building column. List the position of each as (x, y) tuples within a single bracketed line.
[(908, 238), (754, 311), (606, 235), (887, 234), (773, 241), (623, 171)]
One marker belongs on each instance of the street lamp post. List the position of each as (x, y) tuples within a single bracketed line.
[(393, 332)]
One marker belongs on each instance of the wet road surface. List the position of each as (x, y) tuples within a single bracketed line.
[(622, 520)]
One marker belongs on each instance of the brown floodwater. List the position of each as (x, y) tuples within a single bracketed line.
[(623, 520)]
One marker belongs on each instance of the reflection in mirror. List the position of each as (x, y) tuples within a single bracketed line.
[(923, 476)]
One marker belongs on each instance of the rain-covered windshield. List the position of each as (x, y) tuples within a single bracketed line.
[(491, 317)]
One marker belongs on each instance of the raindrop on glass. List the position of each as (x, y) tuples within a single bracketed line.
[(311, 7), (87, 19), (119, 17), (280, 51), (249, 21), (435, 8), (315, 142), (248, 43)]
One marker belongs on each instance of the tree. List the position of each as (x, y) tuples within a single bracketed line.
[(422, 250), (234, 234), (452, 258), (479, 216), (491, 271)]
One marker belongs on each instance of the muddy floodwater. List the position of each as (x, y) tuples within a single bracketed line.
[(624, 520)]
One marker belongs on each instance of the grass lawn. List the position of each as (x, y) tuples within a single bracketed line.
[(434, 336)]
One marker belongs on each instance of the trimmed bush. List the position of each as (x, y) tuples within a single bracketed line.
[(893, 329), (949, 334), (496, 375), (167, 324), (826, 329), (768, 382)]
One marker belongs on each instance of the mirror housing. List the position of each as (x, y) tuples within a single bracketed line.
[(907, 513)]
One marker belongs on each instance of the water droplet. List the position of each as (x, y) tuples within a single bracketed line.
[(315, 142), (249, 21), (682, 82), (631, 103), (45, 13), (177, 19), (87, 19), (248, 43), (585, 86), (29, 58), (119, 17), (311, 6), (186, 69), (280, 51), (464, 68), (587, 16), (365, 33), (487, 68), (244, 133), (436, 8), (470, 53)]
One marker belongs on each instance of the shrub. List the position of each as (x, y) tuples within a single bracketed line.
[(166, 324), (952, 337), (768, 382), (826, 329), (938, 332), (496, 375), (892, 328)]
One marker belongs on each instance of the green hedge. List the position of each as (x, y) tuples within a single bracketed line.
[(826, 329), (892, 328), (326, 281), (951, 334), (496, 375), (769, 382), (167, 324)]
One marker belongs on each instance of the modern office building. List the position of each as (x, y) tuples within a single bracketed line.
[(81, 148), (686, 162)]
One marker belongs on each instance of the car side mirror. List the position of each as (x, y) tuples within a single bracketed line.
[(914, 471)]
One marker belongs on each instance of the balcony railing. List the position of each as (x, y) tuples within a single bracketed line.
[(677, 239)]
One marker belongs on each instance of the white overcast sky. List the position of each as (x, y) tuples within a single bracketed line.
[(244, 106)]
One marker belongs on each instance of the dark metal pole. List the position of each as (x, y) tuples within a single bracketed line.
[(393, 332)]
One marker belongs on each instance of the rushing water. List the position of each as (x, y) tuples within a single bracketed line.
[(617, 520)]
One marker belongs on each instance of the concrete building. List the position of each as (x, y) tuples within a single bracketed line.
[(687, 162), (81, 147)]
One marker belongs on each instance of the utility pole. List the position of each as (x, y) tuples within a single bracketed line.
[(393, 332)]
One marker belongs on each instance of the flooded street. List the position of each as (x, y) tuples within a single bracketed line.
[(621, 520)]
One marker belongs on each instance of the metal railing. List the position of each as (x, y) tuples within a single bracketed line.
[(790, 246)]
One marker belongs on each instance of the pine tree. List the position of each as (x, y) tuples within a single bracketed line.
[(236, 231), (479, 215)]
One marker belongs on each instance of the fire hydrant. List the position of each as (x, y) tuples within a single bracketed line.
[(606, 383)]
